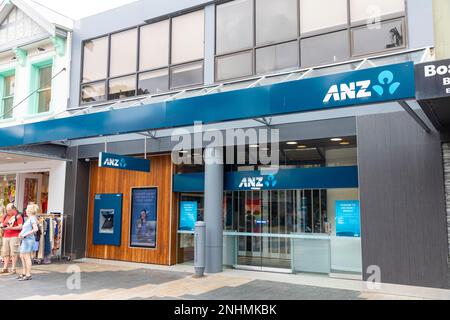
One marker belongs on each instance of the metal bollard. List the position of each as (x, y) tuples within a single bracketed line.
[(200, 249)]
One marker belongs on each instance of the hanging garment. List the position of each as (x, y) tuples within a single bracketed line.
[(42, 240), (52, 233), (48, 245)]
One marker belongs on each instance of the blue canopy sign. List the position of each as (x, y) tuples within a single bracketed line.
[(367, 86), (115, 161)]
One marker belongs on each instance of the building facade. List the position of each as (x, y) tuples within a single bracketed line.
[(357, 187), (35, 49)]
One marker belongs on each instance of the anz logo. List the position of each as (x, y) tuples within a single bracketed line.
[(363, 89), (116, 163), (257, 183)]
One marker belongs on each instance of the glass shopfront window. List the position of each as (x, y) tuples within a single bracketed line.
[(306, 230), (7, 189), (300, 223), (191, 209)]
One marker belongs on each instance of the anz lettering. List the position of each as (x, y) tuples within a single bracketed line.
[(351, 91), (254, 183), (111, 162), (364, 89)]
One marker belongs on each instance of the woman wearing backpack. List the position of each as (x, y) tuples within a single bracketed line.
[(27, 236)]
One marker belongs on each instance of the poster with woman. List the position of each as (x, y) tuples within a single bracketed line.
[(144, 217)]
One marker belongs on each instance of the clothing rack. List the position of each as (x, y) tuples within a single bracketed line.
[(45, 255)]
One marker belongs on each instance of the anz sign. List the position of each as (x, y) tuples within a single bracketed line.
[(258, 183), (115, 161), (363, 89)]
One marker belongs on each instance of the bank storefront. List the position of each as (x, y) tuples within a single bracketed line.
[(355, 177), (304, 217)]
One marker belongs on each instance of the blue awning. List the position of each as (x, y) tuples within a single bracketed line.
[(367, 86)]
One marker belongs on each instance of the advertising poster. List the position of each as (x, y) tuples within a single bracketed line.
[(188, 215), (348, 223), (108, 219), (144, 217)]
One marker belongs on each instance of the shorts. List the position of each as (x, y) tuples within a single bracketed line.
[(27, 246), (10, 247)]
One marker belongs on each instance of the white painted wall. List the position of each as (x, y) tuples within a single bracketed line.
[(60, 85), (41, 50)]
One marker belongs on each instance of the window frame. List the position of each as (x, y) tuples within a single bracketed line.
[(349, 27), (138, 72), (36, 85), (404, 21), (5, 74)]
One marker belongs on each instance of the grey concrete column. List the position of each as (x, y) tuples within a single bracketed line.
[(214, 209)]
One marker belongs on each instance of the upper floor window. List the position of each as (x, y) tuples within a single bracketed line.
[(44, 91), (7, 98), (149, 59), (264, 36)]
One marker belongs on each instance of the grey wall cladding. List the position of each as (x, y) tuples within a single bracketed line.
[(446, 158), (403, 216), (76, 206)]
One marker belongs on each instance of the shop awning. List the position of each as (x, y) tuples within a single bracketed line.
[(433, 92), (369, 81)]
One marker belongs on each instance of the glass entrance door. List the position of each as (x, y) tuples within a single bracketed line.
[(263, 243), (269, 223), (250, 220)]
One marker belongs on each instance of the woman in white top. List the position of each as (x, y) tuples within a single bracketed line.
[(27, 236)]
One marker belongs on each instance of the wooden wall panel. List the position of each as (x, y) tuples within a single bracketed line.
[(103, 180)]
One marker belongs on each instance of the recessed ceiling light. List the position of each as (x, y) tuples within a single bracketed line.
[(292, 143), (336, 139), (344, 143), (264, 149), (254, 146), (302, 146)]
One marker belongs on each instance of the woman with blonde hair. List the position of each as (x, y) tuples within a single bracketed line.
[(27, 235)]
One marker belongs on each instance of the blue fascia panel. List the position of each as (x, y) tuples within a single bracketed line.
[(371, 86), (291, 179)]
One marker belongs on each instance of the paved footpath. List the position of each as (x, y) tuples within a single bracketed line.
[(124, 281)]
